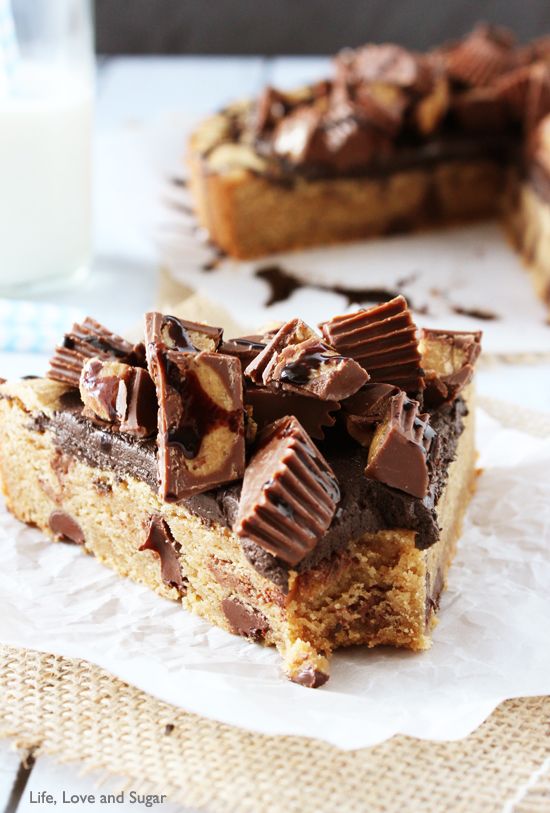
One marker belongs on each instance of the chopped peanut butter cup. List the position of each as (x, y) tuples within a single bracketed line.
[(289, 494), (398, 454), (201, 420), (448, 358), (181, 334), (482, 56), (245, 348), (86, 341), (269, 405), (382, 340), (119, 394), (367, 408), (297, 360)]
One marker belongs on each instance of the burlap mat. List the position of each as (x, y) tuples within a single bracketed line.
[(79, 714)]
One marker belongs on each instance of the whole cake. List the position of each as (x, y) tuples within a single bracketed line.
[(392, 141), (302, 488)]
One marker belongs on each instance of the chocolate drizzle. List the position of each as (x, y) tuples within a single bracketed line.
[(282, 284), (297, 360)]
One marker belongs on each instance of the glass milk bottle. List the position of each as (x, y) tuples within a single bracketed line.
[(46, 90)]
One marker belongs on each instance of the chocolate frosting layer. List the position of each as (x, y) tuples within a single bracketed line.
[(365, 506)]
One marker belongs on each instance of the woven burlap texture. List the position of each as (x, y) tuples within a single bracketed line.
[(81, 715)]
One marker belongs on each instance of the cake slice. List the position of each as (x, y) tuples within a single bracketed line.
[(392, 141), (194, 465)]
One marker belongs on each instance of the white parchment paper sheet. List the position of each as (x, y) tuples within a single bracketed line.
[(441, 272), (492, 642)]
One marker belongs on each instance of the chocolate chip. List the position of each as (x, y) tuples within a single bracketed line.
[(244, 619), (65, 528), (310, 677), (160, 541)]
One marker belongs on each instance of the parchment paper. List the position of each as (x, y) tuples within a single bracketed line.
[(470, 269), (492, 641)]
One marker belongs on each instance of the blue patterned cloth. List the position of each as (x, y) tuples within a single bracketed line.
[(33, 327), (8, 46)]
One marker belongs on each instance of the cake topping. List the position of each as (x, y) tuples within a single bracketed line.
[(297, 360), (398, 454), (289, 493), (383, 99), (448, 358), (245, 348), (481, 57), (526, 93), (269, 405), (538, 99), (201, 419), (388, 64), (160, 540), (367, 408), (119, 394), (480, 110), (180, 334), (382, 340), (271, 107), (291, 332), (86, 341)]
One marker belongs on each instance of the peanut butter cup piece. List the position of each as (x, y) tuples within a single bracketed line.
[(200, 419), (398, 454), (299, 137), (480, 110), (366, 409), (289, 494), (538, 97), (386, 63), (381, 104), (306, 365), (294, 331), (383, 341), (271, 107), (485, 54), (119, 394), (270, 404), (315, 368), (245, 348), (526, 93), (181, 334), (448, 358), (85, 341)]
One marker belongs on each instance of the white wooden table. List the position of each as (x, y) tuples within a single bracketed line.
[(132, 94)]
